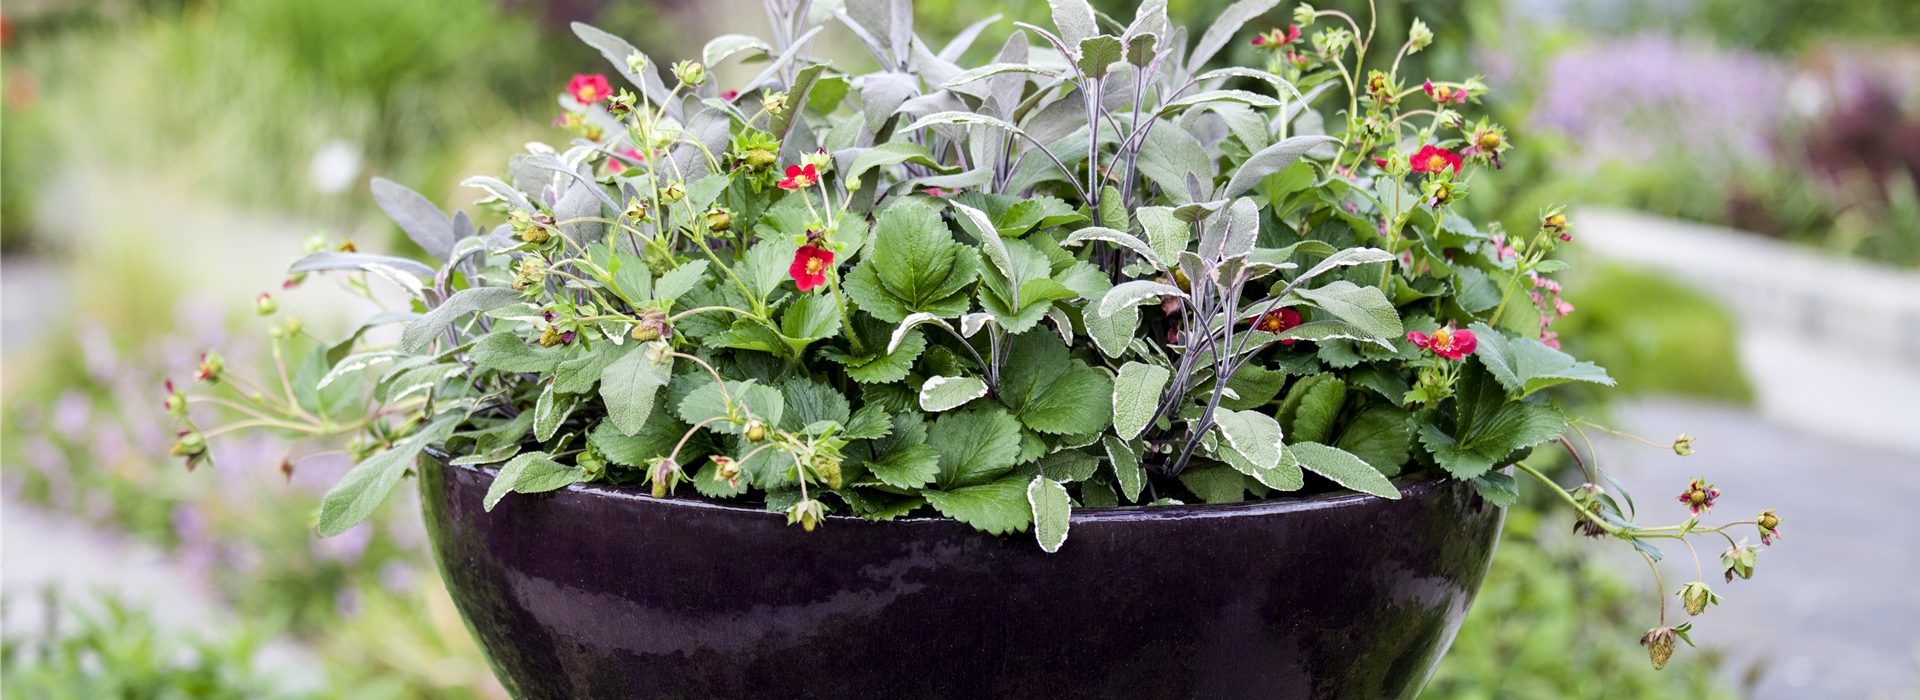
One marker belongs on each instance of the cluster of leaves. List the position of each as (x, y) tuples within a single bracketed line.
[(1087, 274)]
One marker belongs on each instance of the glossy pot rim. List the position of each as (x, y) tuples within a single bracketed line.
[(1411, 485)]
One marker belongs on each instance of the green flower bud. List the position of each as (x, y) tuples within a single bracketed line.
[(673, 192), (1303, 15), (690, 72), (808, 513), (756, 432), (635, 62), (719, 221), (264, 304), (1420, 36)]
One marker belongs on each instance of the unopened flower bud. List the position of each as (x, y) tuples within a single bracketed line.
[(719, 221), (622, 104), (756, 431), (264, 304), (690, 72), (658, 352), (292, 327), (1420, 36), (1303, 14), (673, 192), (665, 473), (808, 513), (726, 469), (819, 159), (1739, 560), (1683, 445), (529, 272), (635, 62), (1769, 525), (176, 401), (519, 220), (191, 445), (211, 364), (775, 103)]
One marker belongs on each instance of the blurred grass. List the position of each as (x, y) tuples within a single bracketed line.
[(1654, 335)]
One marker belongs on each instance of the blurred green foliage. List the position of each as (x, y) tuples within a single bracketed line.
[(1654, 335), (117, 652)]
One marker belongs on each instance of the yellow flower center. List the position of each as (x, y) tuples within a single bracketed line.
[(1490, 140), (1442, 339), (813, 266), (1436, 163)]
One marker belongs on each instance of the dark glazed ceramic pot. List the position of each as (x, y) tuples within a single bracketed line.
[(604, 592)]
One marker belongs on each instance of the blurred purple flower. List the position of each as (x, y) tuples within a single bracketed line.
[(72, 414), (345, 547), (397, 577), (1649, 96)]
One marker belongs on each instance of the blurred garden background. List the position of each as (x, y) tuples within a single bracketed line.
[(1743, 176)]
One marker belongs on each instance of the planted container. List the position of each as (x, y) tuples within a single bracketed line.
[(849, 333)]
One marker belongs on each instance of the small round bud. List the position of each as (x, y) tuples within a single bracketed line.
[(719, 221), (264, 304), (636, 209), (808, 513), (756, 432), (635, 62), (529, 272), (690, 72), (819, 159), (176, 401), (211, 365), (293, 326), (519, 219), (1769, 525), (673, 192), (1303, 14), (1682, 445), (1419, 36), (775, 103)]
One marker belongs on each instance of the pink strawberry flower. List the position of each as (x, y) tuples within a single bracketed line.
[(810, 265), (589, 89), (1433, 159), (1449, 342)]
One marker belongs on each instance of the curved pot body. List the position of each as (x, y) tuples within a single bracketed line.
[(604, 592)]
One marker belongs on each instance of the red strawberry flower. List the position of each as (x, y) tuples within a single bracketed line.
[(1274, 38), (1448, 342), (810, 265), (798, 178), (616, 165), (1277, 321), (1442, 94), (1699, 496), (589, 89), (1433, 159)]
